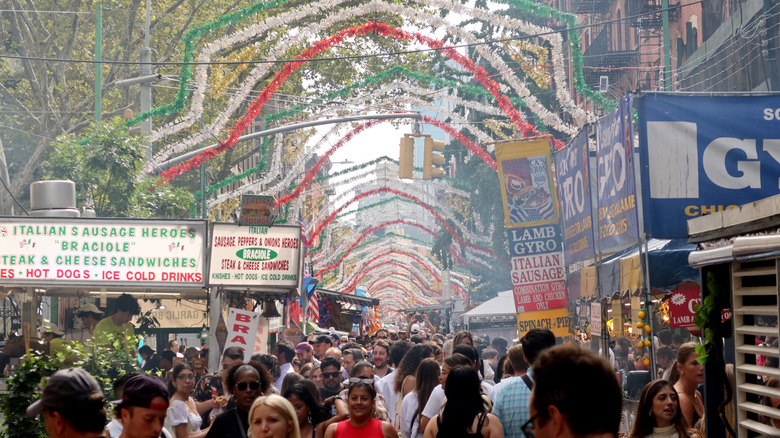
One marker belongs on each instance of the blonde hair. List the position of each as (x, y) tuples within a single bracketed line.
[(280, 405)]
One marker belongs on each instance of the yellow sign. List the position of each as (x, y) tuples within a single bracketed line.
[(526, 183), (557, 320)]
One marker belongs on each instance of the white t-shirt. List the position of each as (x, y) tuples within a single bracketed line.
[(435, 402), (385, 387), (409, 407)]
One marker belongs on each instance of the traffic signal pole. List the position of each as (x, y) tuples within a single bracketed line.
[(172, 162)]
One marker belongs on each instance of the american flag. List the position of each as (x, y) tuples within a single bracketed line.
[(520, 215), (314, 308)]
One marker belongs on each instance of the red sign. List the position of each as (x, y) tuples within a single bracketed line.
[(681, 307)]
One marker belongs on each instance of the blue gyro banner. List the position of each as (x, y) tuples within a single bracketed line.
[(704, 154), (616, 188), (571, 165)]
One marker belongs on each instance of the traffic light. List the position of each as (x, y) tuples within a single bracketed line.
[(406, 158), (434, 159)]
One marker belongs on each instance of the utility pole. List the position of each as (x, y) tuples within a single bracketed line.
[(146, 87), (98, 59)]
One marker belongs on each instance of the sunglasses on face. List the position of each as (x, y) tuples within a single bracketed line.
[(254, 385), (361, 379), (331, 375)]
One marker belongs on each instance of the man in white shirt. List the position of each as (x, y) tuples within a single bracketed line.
[(285, 353)]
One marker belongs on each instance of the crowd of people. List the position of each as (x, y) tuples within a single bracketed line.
[(413, 384)]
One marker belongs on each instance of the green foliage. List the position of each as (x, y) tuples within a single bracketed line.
[(107, 169), (104, 169), (24, 389), (150, 200), (105, 364), (708, 315)]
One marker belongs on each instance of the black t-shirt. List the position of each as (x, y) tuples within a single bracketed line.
[(226, 425)]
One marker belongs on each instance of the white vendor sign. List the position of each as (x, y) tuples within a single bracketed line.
[(255, 257), (102, 252)]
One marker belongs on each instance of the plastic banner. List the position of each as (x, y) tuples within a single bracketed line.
[(615, 183), (242, 331), (704, 154), (572, 168), (526, 183)]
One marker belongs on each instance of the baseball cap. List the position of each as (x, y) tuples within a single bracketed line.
[(320, 339), (140, 390), (415, 328), (303, 346), (335, 336), (65, 389), (90, 308)]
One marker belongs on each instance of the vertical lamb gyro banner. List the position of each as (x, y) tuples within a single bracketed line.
[(102, 252), (533, 232), (250, 256)]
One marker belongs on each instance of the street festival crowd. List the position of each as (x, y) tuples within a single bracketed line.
[(415, 383)]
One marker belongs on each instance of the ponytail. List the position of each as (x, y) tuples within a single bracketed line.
[(674, 373)]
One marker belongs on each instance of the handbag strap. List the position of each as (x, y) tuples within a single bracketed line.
[(528, 382)]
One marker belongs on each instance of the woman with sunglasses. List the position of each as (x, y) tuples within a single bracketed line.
[(658, 413), (183, 419), (464, 413), (361, 422), (247, 382)]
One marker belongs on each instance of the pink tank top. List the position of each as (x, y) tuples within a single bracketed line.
[(372, 429)]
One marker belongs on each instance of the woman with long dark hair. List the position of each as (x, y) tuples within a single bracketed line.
[(361, 422), (183, 418), (426, 378), (464, 414), (310, 412), (403, 381), (658, 413)]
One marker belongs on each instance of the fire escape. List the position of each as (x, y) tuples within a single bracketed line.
[(648, 23), (603, 58)]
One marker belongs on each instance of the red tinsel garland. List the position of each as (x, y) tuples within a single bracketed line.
[(366, 233), (379, 263), (365, 272), (526, 129)]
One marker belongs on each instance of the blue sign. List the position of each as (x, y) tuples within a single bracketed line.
[(541, 239), (571, 165), (704, 154), (615, 184)]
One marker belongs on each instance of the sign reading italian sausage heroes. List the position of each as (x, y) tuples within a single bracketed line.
[(255, 256), (102, 252), (704, 154)]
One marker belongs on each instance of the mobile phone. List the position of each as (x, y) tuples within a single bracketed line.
[(419, 318)]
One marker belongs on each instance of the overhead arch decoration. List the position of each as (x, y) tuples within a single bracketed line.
[(383, 29), (320, 7)]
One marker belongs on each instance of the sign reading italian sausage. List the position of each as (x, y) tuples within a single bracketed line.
[(102, 252)]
